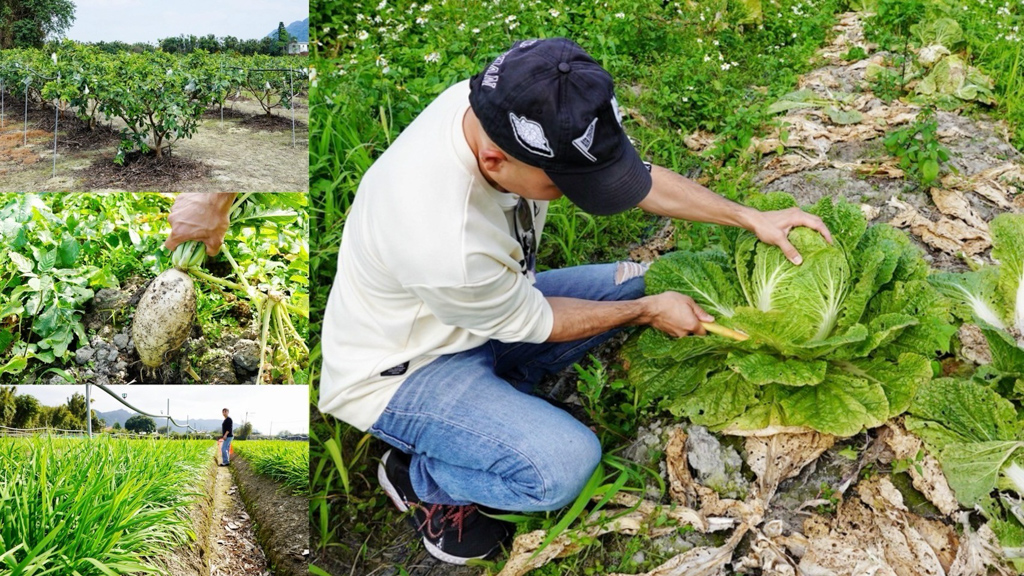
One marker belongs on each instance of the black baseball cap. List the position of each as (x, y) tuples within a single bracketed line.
[(548, 104)]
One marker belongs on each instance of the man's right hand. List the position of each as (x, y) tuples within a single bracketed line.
[(675, 314), (202, 217)]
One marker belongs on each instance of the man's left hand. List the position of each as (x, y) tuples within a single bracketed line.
[(773, 228)]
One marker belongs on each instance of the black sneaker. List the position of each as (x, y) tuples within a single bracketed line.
[(452, 534), (393, 474)]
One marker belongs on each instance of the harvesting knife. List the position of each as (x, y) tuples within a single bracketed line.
[(723, 331)]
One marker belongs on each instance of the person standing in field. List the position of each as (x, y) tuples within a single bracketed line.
[(227, 434), (438, 327)]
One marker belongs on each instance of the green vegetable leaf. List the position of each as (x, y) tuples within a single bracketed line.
[(841, 405), (759, 368)]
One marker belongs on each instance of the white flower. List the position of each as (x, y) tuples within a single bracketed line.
[(385, 70), (715, 42), (421, 20), (312, 79), (554, 13), (700, 41), (382, 4), (462, 26), (382, 30), (426, 8), (707, 58), (513, 25), (510, 19), (475, 30), (726, 66), (362, 35), (432, 57), (360, 17), (735, 64), (327, 29), (620, 15), (382, 62)]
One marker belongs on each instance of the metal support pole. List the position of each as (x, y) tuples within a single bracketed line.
[(56, 117), (2, 103), (88, 408), (168, 421), (291, 88), (26, 113)]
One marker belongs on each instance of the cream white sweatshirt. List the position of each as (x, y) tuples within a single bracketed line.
[(428, 266)]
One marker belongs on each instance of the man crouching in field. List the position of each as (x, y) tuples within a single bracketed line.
[(437, 328)]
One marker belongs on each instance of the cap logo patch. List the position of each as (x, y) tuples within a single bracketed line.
[(615, 109), (583, 143), (530, 135)]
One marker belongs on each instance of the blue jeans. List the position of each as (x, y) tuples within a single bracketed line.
[(476, 434), (225, 450)]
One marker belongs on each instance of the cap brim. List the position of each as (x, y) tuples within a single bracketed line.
[(609, 189)]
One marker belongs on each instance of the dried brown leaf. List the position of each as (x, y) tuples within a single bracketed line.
[(703, 561), (979, 553), (953, 203), (782, 456), (681, 484), (929, 480), (946, 235)]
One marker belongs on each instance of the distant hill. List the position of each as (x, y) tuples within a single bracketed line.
[(298, 30), (122, 416)]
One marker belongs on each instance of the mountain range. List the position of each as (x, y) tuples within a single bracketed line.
[(122, 416), (298, 30)]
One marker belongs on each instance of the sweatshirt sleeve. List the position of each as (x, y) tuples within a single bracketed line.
[(504, 307)]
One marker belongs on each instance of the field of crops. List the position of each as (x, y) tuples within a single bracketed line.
[(283, 461), (77, 267), (160, 97), (871, 423), (100, 507), (133, 107)]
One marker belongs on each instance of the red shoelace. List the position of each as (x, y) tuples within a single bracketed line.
[(449, 513)]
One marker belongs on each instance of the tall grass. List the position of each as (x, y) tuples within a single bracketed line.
[(281, 460), (94, 507)]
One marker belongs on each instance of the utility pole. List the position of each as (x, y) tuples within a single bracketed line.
[(88, 410)]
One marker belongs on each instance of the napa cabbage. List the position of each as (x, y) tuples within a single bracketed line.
[(993, 298), (838, 344)]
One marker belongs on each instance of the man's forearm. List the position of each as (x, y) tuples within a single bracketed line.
[(576, 319), (679, 197)]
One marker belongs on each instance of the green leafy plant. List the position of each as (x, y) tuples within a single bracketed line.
[(918, 148), (837, 344), (993, 298)]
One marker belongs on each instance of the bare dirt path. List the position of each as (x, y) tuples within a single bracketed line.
[(233, 547)]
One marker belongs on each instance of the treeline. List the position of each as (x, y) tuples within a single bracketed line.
[(276, 45), (23, 411)]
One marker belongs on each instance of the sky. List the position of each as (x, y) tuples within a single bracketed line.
[(150, 20), (283, 407)]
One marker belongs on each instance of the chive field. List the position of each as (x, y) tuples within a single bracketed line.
[(99, 507), (283, 461)]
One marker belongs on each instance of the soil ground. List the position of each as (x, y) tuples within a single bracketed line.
[(247, 151), (234, 550), (281, 520)]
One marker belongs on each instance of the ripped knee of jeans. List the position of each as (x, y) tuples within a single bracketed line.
[(626, 271)]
